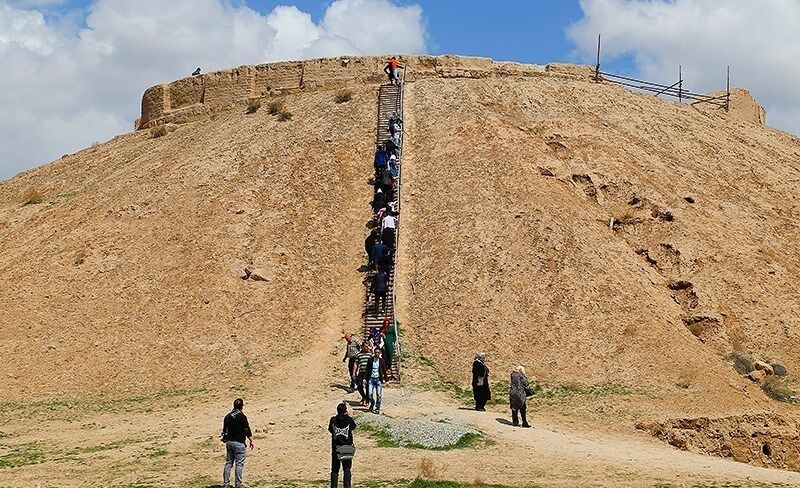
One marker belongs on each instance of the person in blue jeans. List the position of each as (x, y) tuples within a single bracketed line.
[(376, 375), (235, 429)]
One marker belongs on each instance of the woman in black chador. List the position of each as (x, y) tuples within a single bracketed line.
[(480, 382)]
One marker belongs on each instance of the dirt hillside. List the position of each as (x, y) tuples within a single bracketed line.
[(611, 242)]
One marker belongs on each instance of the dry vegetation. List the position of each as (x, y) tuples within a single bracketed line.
[(159, 131), (343, 95), (253, 105), (275, 107), (32, 197)]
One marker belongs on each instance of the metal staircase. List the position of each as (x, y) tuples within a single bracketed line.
[(390, 100)]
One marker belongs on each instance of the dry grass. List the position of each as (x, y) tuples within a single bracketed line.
[(32, 197), (427, 470), (343, 95), (741, 362), (253, 105), (284, 116), (623, 216), (159, 131), (776, 388), (275, 107), (79, 257)]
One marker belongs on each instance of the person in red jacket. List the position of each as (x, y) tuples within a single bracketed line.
[(391, 69)]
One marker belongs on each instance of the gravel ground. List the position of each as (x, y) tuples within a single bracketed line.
[(428, 434)]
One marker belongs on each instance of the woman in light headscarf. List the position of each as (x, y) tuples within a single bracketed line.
[(480, 382), (518, 396)]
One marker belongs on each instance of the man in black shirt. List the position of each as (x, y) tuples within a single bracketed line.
[(341, 428), (235, 429)]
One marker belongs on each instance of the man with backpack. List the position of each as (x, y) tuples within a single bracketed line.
[(235, 429), (341, 427)]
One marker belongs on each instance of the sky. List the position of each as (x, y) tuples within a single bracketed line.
[(74, 70)]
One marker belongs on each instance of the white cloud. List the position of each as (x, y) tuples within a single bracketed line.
[(70, 81), (760, 40)]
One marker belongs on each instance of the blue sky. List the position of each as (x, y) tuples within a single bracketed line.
[(531, 31)]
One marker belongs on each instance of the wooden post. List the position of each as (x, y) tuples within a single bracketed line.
[(728, 91), (597, 66)]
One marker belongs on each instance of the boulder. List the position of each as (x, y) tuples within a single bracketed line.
[(239, 272), (757, 375), (762, 366), (258, 274)]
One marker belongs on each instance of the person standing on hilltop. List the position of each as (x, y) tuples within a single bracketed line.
[(235, 429), (518, 396), (480, 382), (341, 427), (391, 69)]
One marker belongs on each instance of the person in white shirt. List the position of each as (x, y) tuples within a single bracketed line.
[(388, 229)]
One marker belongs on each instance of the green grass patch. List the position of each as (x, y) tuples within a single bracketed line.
[(22, 455)]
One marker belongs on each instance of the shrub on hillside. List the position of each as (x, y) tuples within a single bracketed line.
[(32, 197), (742, 363), (284, 116), (343, 95), (159, 131), (779, 369), (276, 107), (253, 105), (776, 389)]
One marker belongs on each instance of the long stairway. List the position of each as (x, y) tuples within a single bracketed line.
[(390, 100)]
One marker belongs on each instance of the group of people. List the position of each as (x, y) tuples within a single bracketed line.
[(517, 396)]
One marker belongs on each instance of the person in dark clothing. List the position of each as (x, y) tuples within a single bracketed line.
[(391, 150), (379, 200), (378, 250), (341, 428), (380, 287), (235, 429), (480, 382), (360, 371), (391, 70), (518, 396), (381, 158), (369, 244), (385, 262)]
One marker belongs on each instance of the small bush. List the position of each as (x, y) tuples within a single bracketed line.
[(79, 258), (779, 369), (776, 389), (343, 95), (32, 197), (742, 363), (427, 470), (253, 105), (275, 107), (159, 131), (284, 116)]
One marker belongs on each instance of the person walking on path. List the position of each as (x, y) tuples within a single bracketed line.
[(480, 382), (391, 70), (376, 372), (350, 353), (378, 251), (518, 396), (341, 427), (369, 243), (360, 372), (235, 429)]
